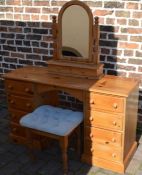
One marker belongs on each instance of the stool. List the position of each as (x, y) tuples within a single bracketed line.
[(53, 122)]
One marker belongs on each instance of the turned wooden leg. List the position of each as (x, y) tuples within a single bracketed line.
[(30, 143), (64, 146)]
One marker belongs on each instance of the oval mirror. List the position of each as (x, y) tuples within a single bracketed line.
[(75, 36)]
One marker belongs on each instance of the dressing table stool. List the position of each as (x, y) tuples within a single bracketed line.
[(53, 122)]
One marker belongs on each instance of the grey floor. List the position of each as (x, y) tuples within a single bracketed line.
[(14, 159)]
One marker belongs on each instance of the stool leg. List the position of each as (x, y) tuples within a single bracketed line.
[(78, 132), (30, 143), (64, 146)]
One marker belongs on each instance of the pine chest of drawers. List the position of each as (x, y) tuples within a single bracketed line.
[(110, 123)]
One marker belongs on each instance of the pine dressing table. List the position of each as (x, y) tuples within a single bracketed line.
[(109, 102)]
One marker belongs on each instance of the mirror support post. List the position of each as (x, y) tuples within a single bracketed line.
[(54, 34), (96, 41)]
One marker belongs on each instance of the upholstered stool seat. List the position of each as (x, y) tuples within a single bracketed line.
[(53, 122)]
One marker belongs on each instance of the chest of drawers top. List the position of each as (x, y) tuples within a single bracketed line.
[(115, 85)]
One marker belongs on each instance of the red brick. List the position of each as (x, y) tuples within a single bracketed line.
[(121, 21), (50, 10), (32, 10), (26, 17), (131, 30), (13, 2), (132, 5), (116, 52), (27, 2), (128, 52), (35, 17), (101, 20), (125, 67), (41, 3), (102, 12), (137, 15), (44, 17), (121, 13), (105, 51), (18, 55), (126, 45), (9, 16), (140, 69), (17, 16), (6, 9), (47, 38), (110, 21), (15, 29), (58, 3), (18, 9), (136, 38), (133, 22)]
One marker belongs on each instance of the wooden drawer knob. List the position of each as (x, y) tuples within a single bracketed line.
[(114, 155), (11, 101), (28, 105), (92, 102), (10, 86), (27, 90), (113, 140), (106, 142), (13, 116), (114, 123), (14, 129), (91, 118), (115, 105), (92, 150)]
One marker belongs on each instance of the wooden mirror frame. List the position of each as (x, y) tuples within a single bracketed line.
[(93, 35), (77, 67)]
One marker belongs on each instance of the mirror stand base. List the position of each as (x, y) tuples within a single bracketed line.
[(81, 70)]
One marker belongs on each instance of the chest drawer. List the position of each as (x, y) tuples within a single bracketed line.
[(21, 103), (103, 137), (107, 152), (106, 102), (104, 120), (21, 87), (15, 115)]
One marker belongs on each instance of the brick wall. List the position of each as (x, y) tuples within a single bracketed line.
[(26, 36)]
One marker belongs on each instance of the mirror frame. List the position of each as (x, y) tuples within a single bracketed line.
[(90, 16)]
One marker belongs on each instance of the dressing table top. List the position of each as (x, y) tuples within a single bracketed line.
[(113, 85)]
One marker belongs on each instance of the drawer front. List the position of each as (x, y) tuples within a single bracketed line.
[(103, 151), (13, 86), (106, 102), (16, 102), (15, 115), (104, 120), (17, 130), (103, 137)]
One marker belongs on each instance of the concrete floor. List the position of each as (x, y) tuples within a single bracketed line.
[(14, 159)]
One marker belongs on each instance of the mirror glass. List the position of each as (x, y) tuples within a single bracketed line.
[(75, 32)]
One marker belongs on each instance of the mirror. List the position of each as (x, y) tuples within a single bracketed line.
[(76, 27), (75, 31)]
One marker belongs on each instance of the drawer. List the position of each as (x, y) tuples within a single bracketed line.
[(104, 120), (103, 151), (21, 87), (106, 102), (21, 103), (17, 130), (15, 115), (103, 137)]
